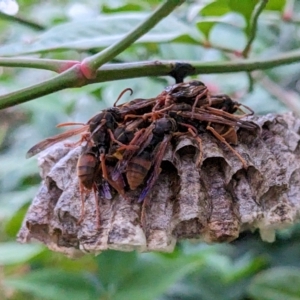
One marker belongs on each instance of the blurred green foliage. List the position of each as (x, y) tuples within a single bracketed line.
[(245, 269)]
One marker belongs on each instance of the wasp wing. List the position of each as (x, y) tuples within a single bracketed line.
[(220, 117), (136, 105), (160, 152), (104, 190), (43, 145)]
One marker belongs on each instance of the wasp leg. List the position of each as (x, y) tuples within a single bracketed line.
[(222, 139), (157, 114), (197, 99), (143, 213), (193, 131), (82, 193), (230, 136), (132, 116), (98, 216), (122, 146)]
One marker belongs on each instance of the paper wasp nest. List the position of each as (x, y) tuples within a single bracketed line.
[(213, 202)]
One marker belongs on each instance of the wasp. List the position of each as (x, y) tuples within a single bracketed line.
[(136, 163), (225, 103), (87, 171), (101, 128), (91, 166), (194, 91), (90, 174), (125, 132), (98, 135), (162, 135), (219, 122), (134, 108), (105, 121)]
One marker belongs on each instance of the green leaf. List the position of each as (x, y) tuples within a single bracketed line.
[(15, 253), (154, 276), (246, 9), (11, 202), (130, 6), (115, 266), (215, 8), (14, 224), (206, 25), (276, 5), (100, 32), (227, 36), (54, 284), (276, 284)]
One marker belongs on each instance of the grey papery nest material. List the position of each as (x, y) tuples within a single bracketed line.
[(213, 202)]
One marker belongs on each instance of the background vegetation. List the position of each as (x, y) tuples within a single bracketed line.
[(200, 31)]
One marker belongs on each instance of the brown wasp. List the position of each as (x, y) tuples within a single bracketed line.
[(134, 108), (98, 134), (91, 173), (162, 135), (220, 123), (225, 103), (87, 172), (124, 134), (193, 92), (152, 142)]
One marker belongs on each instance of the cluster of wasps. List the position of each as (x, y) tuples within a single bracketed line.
[(124, 145)]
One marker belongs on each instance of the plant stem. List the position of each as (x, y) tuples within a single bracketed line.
[(257, 11), (155, 68), (92, 63), (70, 78), (163, 68), (38, 63), (22, 21), (112, 72)]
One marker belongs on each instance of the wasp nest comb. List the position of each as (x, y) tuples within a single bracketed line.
[(203, 188)]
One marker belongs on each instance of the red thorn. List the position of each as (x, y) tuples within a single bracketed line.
[(86, 71), (287, 16), (238, 53)]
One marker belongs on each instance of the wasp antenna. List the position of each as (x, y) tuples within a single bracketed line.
[(122, 93), (249, 109)]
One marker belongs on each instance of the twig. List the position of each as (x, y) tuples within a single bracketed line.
[(22, 21), (55, 65), (74, 78), (254, 19), (70, 78), (288, 11), (253, 28), (92, 63)]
